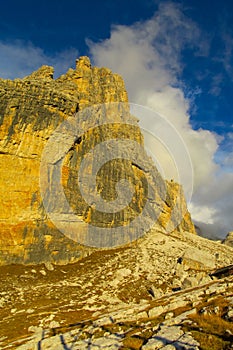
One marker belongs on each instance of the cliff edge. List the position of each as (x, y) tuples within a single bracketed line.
[(30, 111)]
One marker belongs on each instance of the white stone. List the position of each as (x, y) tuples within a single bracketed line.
[(49, 266), (170, 333), (169, 347), (153, 344), (2, 302), (169, 315), (230, 313), (142, 315), (186, 342), (30, 311), (123, 273), (54, 324), (104, 342), (156, 311), (176, 304)]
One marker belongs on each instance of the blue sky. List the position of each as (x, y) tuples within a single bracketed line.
[(191, 57), (57, 26)]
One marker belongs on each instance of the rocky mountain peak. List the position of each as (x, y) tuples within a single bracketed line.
[(30, 111), (83, 62), (43, 73)]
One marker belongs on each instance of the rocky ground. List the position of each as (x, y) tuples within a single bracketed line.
[(156, 294)]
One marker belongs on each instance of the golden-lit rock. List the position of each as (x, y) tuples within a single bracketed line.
[(30, 110)]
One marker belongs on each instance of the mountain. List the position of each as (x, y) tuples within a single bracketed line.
[(79, 274), (31, 112)]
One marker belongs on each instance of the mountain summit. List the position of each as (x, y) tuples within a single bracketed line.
[(31, 111)]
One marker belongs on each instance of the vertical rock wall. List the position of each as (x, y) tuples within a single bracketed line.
[(30, 111)]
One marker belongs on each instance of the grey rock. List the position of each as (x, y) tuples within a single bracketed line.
[(170, 333), (229, 239), (153, 344)]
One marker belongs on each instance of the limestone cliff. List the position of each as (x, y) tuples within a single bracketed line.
[(229, 239), (30, 110)]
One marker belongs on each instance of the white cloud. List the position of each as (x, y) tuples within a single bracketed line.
[(225, 154), (216, 86), (149, 57), (228, 54), (19, 58), (228, 160)]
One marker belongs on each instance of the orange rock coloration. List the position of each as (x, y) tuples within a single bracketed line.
[(30, 110)]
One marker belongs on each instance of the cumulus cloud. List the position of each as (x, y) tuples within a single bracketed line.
[(19, 58), (148, 55)]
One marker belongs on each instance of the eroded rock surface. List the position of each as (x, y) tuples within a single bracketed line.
[(30, 110), (105, 299), (229, 239)]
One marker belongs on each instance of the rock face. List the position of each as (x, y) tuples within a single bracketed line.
[(229, 239), (30, 111)]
